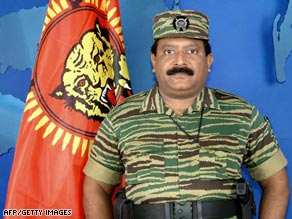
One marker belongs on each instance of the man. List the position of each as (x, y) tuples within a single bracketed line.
[(181, 145)]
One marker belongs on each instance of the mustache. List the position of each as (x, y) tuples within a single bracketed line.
[(185, 70)]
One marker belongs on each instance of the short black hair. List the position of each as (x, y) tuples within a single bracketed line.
[(206, 45)]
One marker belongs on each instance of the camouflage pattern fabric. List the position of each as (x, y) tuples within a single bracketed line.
[(186, 23), (195, 156)]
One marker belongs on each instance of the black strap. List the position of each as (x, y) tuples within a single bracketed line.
[(188, 210), (152, 211), (216, 209)]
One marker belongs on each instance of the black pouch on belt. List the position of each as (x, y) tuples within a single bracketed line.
[(123, 207), (246, 199)]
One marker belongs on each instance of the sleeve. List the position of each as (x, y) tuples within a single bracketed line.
[(264, 157), (104, 163)]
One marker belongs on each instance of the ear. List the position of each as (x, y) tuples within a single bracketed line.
[(153, 61), (210, 59)]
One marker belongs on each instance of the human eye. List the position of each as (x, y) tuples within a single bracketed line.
[(192, 51), (168, 52)]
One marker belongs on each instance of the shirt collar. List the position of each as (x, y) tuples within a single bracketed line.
[(206, 99), (153, 101)]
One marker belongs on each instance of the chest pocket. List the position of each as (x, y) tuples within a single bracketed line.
[(144, 161), (220, 158)]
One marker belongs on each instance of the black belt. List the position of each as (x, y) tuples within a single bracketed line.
[(188, 210)]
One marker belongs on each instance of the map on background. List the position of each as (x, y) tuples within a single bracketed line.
[(20, 29), (282, 35), (16, 63)]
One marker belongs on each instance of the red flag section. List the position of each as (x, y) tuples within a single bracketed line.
[(79, 75)]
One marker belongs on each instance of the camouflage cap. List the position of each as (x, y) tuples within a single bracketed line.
[(185, 23)]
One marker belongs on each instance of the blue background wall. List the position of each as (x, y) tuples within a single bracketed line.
[(241, 40)]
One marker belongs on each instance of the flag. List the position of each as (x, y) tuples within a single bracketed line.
[(80, 73)]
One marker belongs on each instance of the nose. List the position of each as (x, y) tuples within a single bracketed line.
[(180, 58)]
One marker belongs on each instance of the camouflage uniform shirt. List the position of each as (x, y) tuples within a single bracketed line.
[(194, 156)]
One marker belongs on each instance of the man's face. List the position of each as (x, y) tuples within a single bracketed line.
[(181, 67)]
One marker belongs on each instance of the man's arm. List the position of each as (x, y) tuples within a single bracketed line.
[(275, 196), (97, 199)]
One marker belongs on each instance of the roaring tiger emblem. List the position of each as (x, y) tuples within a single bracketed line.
[(88, 83)]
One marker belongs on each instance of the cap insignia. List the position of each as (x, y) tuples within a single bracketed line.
[(181, 23)]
